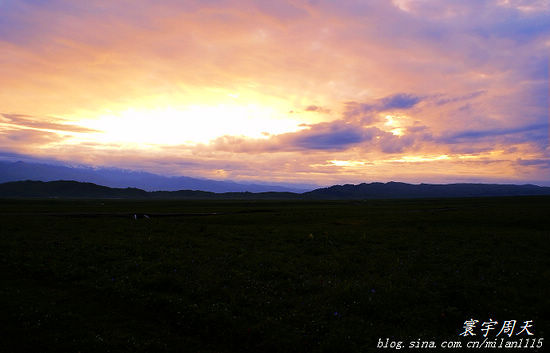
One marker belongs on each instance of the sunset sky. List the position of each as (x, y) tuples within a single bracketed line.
[(323, 92)]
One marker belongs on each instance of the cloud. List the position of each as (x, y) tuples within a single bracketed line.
[(329, 136), (390, 143), (500, 132), (27, 141), (363, 112), (542, 163), (446, 100), (281, 10), (399, 101), (315, 108), (366, 110), (25, 121)]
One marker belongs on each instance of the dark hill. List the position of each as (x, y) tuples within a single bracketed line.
[(74, 189), (65, 189), (402, 190)]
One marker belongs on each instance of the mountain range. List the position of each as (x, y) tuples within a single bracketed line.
[(121, 178), (391, 190), (25, 179)]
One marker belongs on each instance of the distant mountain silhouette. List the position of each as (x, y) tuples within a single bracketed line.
[(66, 189), (119, 178), (69, 189), (391, 190)]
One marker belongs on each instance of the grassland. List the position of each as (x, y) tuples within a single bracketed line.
[(265, 276)]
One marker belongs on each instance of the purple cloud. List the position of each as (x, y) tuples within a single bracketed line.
[(445, 99), (399, 101), (529, 133), (330, 136)]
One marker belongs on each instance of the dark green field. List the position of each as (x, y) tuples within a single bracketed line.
[(83, 276)]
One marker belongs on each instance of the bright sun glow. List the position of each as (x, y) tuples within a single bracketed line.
[(189, 125), (409, 159), (340, 163), (397, 131), (393, 123)]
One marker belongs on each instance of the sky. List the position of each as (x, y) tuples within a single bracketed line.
[(305, 91)]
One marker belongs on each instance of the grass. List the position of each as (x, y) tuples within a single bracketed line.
[(264, 276)]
